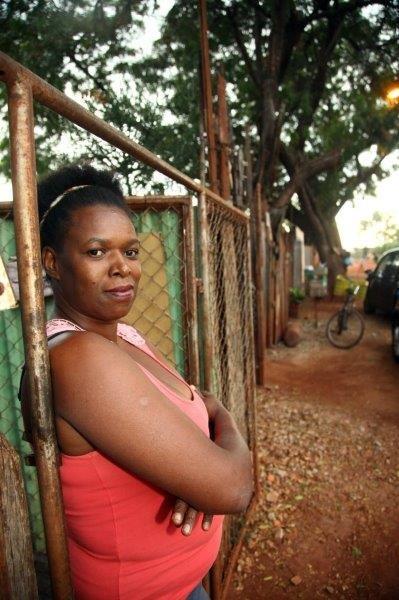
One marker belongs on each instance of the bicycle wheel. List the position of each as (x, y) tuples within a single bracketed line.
[(345, 331)]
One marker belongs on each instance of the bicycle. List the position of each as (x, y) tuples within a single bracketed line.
[(345, 328)]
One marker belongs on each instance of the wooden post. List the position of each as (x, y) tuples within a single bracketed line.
[(224, 139), (248, 166), (260, 279), (207, 97), (17, 571)]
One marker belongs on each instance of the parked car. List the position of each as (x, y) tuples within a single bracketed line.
[(395, 335), (383, 284)]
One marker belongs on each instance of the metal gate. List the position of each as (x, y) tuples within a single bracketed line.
[(219, 356)]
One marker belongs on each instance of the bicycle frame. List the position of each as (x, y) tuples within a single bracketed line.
[(347, 319), (347, 309)]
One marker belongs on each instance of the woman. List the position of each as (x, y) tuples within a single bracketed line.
[(133, 435)]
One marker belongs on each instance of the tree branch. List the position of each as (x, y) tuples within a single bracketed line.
[(362, 176), (241, 45), (318, 83), (99, 84), (301, 172)]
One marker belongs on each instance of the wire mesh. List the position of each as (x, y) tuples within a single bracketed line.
[(230, 316), (11, 361), (160, 312), (230, 292)]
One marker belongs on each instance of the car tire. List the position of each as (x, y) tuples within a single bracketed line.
[(367, 307), (395, 342)]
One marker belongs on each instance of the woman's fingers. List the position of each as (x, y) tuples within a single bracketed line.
[(179, 512), (189, 521), (185, 516), (207, 522)]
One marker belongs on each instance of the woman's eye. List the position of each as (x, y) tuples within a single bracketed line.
[(132, 253), (96, 252)]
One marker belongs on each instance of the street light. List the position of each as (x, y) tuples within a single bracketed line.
[(392, 94)]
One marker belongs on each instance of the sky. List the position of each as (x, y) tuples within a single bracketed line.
[(353, 212), (385, 201)]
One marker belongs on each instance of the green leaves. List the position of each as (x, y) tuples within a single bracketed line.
[(327, 63)]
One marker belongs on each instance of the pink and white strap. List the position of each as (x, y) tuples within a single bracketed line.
[(126, 332)]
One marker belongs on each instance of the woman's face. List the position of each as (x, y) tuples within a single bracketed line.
[(97, 269)]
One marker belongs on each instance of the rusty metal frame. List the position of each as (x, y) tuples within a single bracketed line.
[(26, 221), (58, 102), (23, 87), (206, 97)]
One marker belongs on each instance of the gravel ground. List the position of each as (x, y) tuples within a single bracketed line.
[(327, 524)]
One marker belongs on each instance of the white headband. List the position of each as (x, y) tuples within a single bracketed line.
[(59, 198)]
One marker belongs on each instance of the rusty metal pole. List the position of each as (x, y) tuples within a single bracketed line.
[(260, 295), (214, 576), (58, 102), (204, 245), (23, 167), (191, 294), (207, 333), (224, 138), (206, 86), (251, 371)]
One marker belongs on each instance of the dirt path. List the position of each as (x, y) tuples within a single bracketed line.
[(328, 521)]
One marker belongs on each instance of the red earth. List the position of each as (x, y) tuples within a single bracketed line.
[(327, 524)]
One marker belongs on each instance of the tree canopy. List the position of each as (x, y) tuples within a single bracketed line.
[(309, 77), (85, 48), (306, 76), (386, 230)]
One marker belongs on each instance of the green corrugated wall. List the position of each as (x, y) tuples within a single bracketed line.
[(168, 225)]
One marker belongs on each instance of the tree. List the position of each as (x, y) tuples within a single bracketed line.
[(85, 47), (386, 231), (308, 75)]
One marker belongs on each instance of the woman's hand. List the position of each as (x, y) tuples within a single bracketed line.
[(212, 404), (185, 516)]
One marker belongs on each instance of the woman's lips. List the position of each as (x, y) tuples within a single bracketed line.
[(123, 292)]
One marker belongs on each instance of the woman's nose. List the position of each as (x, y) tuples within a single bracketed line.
[(120, 267)]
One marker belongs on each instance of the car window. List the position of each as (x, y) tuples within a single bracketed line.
[(385, 262)]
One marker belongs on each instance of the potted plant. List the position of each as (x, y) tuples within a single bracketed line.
[(297, 296)]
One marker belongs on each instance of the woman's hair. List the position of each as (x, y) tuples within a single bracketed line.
[(70, 188)]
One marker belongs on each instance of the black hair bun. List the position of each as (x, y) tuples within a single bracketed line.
[(68, 177)]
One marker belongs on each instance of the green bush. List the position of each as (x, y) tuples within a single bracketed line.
[(297, 295)]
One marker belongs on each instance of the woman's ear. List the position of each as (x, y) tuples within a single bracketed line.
[(49, 261)]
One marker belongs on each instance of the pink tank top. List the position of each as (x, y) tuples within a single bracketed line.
[(122, 543)]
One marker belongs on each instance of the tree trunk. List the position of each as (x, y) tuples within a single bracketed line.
[(321, 231)]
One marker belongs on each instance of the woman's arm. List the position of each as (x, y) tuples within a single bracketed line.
[(104, 394)]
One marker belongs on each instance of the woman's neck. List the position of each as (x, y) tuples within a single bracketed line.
[(106, 329)]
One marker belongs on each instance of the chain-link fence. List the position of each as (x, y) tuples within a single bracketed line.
[(11, 361), (232, 365), (161, 312), (166, 311), (163, 309)]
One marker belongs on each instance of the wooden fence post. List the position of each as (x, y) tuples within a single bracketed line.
[(17, 571)]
